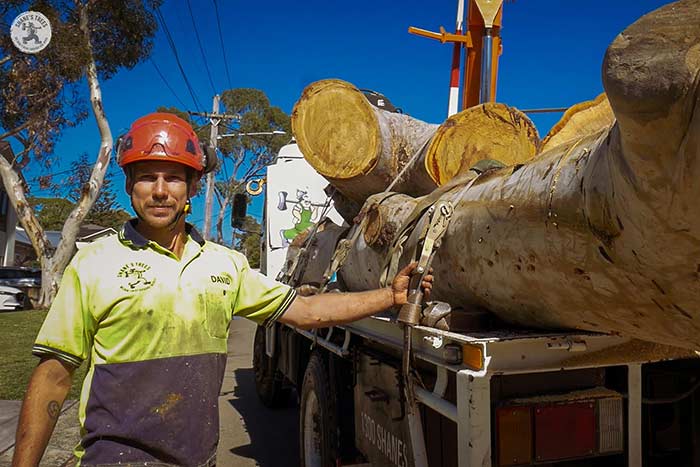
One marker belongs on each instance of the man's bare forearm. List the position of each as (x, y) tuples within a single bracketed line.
[(320, 311), (48, 388)]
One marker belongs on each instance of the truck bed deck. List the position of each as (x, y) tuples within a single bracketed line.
[(507, 351)]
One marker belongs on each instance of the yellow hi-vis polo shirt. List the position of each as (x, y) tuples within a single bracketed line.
[(154, 329)]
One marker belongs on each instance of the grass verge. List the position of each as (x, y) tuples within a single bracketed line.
[(18, 330)]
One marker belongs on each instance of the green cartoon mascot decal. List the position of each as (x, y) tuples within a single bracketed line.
[(304, 212)]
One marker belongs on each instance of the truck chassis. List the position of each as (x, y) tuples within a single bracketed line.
[(491, 398)]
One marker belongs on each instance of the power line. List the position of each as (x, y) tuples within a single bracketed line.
[(166, 83), (177, 58), (221, 39), (201, 49), (37, 178)]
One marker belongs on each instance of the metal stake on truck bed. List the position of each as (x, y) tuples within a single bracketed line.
[(409, 316)]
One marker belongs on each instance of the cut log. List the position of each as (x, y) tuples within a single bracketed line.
[(487, 131), (362, 149), (580, 120), (358, 147), (601, 233)]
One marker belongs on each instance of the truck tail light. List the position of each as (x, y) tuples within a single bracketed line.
[(534, 431), (514, 435), (565, 430)]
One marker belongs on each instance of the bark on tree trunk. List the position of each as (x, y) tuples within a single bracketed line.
[(53, 267), (362, 149), (601, 233), (220, 221)]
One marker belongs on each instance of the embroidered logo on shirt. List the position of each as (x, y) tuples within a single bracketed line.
[(135, 278)]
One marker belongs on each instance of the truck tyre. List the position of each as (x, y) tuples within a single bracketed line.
[(269, 381), (318, 426)]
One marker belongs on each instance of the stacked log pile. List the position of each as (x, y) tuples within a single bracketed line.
[(599, 232), (361, 149)]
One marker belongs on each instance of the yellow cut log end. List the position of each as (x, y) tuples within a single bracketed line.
[(336, 129), (580, 120), (487, 131)]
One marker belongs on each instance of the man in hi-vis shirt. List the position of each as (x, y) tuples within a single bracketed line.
[(150, 310)]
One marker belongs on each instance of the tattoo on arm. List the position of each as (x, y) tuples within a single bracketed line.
[(54, 410)]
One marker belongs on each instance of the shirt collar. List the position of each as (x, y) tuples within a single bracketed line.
[(129, 235)]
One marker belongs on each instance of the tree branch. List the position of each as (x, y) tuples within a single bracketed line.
[(218, 196), (89, 195), (14, 131)]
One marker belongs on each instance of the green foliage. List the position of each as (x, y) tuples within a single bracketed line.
[(122, 36), (248, 241), (122, 33), (251, 249), (106, 211), (78, 183), (256, 115), (51, 212)]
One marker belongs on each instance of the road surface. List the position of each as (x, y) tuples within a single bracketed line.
[(250, 433)]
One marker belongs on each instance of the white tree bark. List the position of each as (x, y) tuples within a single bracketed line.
[(220, 220), (54, 262)]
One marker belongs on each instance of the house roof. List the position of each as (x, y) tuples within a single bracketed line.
[(87, 233), (91, 235), (88, 230), (21, 236)]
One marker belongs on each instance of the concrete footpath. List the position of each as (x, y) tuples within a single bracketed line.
[(251, 434)]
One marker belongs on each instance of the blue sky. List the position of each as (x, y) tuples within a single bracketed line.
[(552, 55)]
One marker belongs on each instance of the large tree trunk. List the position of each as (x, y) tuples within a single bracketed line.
[(601, 233), (487, 131), (52, 262), (53, 267), (362, 149)]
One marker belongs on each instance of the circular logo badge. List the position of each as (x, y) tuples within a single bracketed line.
[(31, 32), (136, 277)]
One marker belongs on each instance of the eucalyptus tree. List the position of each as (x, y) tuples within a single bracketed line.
[(43, 94), (258, 133)]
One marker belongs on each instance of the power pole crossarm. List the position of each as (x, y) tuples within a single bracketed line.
[(216, 114)]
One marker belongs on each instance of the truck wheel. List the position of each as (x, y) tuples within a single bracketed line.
[(318, 426), (269, 382)]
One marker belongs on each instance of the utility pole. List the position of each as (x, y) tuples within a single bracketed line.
[(214, 118), (213, 140)]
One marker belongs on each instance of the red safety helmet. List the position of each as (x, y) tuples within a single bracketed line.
[(163, 136)]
